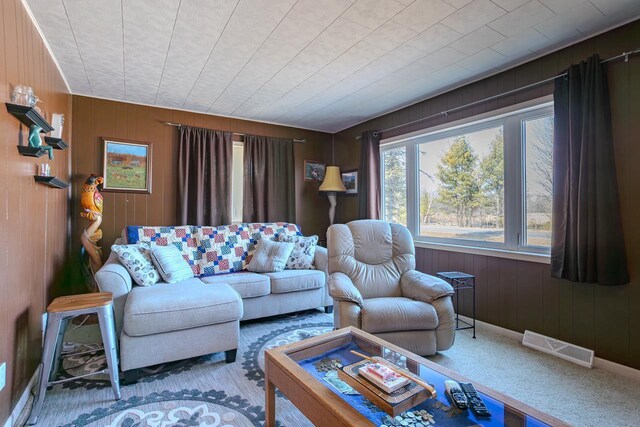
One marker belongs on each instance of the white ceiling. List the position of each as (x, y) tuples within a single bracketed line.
[(317, 64)]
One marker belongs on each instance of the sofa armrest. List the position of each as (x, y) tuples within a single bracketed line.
[(321, 261), (113, 277), (423, 287), (341, 288)]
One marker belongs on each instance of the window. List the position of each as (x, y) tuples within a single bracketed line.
[(394, 166), (237, 177), (483, 182)]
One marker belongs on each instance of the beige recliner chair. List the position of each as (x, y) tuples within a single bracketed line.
[(376, 288)]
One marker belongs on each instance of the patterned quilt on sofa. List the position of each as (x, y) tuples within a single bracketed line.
[(212, 250)]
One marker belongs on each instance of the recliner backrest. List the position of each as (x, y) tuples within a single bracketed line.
[(373, 254)]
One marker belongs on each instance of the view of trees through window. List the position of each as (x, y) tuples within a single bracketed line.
[(395, 185), (538, 135), (462, 186)]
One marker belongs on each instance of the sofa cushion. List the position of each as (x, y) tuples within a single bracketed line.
[(303, 253), (170, 307), (137, 261), (171, 264), (247, 285), (397, 314), (295, 280), (270, 256)]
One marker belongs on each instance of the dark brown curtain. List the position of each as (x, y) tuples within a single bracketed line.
[(204, 176), (369, 177), (269, 180), (587, 238)]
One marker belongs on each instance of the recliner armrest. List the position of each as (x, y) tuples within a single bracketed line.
[(423, 287), (341, 288)]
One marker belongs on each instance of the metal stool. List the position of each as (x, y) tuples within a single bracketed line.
[(60, 311)]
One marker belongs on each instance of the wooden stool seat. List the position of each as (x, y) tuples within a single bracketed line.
[(80, 302)]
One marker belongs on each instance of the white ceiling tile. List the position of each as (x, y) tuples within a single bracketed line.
[(458, 3), (510, 5), (422, 14), (52, 18), (473, 16), (434, 38), (146, 42), (389, 36), (97, 26), (372, 13), (568, 24), (301, 62), (482, 61), (529, 40), (481, 38), (522, 18), (561, 5), (619, 8), (186, 59)]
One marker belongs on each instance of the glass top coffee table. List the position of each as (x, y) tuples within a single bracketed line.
[(302, 372)]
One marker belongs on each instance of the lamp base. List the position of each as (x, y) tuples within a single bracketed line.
[(333, 201)]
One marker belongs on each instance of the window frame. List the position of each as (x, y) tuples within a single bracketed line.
[(512, 119)]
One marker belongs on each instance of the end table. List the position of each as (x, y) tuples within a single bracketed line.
[(459, 281)]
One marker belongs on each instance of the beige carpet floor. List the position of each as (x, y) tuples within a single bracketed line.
[(206, 389)]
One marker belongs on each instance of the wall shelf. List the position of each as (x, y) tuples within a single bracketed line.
[(25, 150), (51, 181), (56, 143), (28, 116)]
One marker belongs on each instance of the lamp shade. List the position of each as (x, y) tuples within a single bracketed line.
[(332, 180)]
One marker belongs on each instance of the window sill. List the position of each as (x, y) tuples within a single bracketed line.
[(498, 253)]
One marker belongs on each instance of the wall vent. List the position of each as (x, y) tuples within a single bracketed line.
[(573, 353)]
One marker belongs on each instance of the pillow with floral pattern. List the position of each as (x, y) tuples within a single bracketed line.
[(303, 253), (137, 261)]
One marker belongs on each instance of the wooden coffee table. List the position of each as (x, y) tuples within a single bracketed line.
[(293, 370)]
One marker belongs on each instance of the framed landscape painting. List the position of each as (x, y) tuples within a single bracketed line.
[(313, 170), (126, 166), (350, 181)]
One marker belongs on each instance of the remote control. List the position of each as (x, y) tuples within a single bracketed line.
[(475, 401), (455, 394)]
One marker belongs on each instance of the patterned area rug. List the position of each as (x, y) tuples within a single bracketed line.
[(203, 391)]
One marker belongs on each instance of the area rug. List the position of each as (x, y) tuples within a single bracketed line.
[(202, 391)]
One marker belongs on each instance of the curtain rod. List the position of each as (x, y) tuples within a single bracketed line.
[(445, 113), (299, 141)]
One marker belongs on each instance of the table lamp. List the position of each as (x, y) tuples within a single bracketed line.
[(331, 185)]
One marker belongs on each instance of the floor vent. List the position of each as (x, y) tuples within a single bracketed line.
[(564, 350)]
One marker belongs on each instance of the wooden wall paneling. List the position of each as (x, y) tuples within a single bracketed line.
[(480, 272), (467, 295), (155, 132), (508, 298), (493, 291), (34, 218), (529, 296), (104, 127), (633, 240), (550, 304), (528, 73)]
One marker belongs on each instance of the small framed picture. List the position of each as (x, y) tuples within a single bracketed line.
[(313, 170), (350, 181), (126, 166)]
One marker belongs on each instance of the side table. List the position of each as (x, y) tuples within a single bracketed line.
[(59, 312), (459, 281)]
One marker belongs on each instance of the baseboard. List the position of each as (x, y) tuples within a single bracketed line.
[(22, 402), (598, 362)]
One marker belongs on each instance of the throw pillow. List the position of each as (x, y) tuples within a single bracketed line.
[(303, 253), (171, 264), (136, 259), (270, 256)]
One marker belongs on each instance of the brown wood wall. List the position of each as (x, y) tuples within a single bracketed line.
[(33, 219), (521, 295), (96, 118)]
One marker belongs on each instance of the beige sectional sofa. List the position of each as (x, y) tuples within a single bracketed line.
[(166, 322)]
